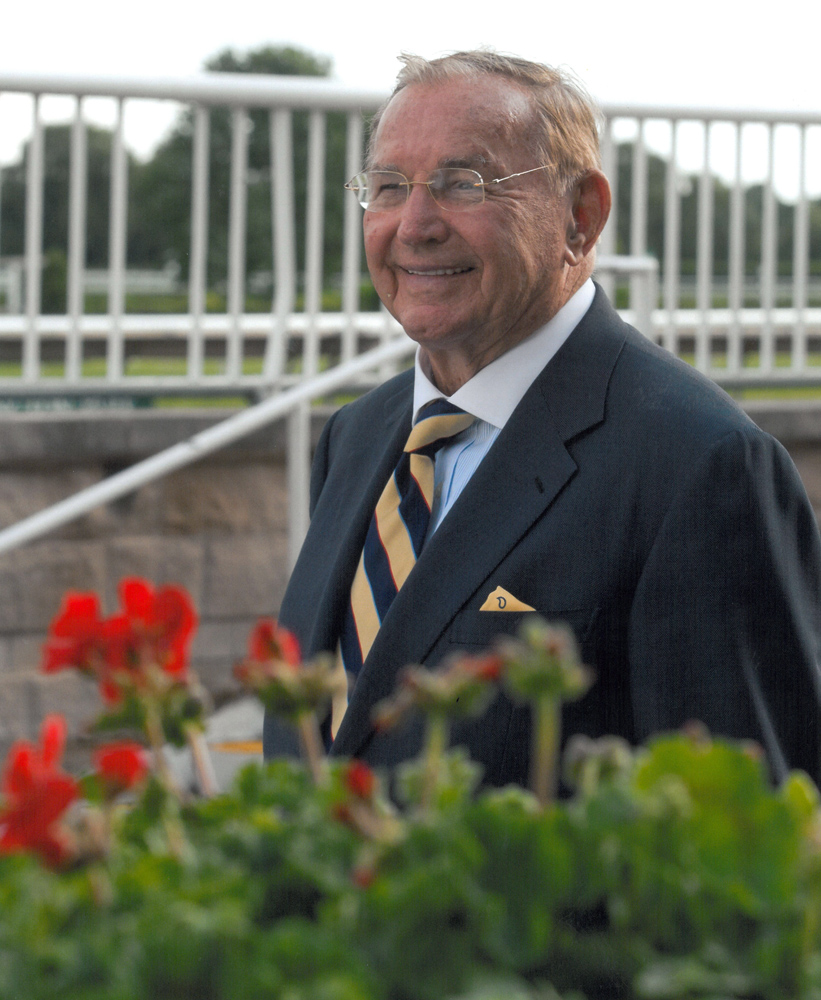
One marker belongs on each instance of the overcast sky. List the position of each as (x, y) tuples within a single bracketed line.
[(700, 52)]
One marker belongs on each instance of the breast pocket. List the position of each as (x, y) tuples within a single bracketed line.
[(476, 630)]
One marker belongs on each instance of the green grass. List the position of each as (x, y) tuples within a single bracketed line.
[(139, 303), (164, 367), (134, 367), (777, 392)]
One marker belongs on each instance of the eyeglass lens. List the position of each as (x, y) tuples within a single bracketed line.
[(452, 188)]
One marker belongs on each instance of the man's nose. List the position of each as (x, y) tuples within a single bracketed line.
[(422, 220)]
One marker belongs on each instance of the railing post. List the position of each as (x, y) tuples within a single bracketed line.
[(314, 225), (299, 478), (34, 246), (198, 261), (283, 240), (704, 256), (801, 256), (78, 185), (352, 241), (672, 241), (237, 226), (638, 211), (117, 247), (737, 270)]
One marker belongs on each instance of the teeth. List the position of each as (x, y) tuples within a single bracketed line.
[(440, 271)]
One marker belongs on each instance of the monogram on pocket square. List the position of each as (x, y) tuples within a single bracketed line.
[(503, 600)]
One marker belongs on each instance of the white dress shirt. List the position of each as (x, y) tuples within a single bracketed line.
[(491, 396)]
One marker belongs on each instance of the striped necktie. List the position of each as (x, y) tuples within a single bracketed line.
[(397, 530)]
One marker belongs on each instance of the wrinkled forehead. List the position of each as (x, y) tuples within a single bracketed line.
[(487, 116)]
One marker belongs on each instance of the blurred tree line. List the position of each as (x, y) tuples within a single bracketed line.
[(159, 195), (722, 193)]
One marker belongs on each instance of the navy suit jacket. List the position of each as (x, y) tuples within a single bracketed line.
[(627, 496)]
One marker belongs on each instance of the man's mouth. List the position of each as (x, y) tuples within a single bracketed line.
[(438, 271)]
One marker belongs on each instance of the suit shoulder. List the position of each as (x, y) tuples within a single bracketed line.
[(670, 395)]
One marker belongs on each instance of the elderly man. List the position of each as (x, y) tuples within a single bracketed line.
[(573, 469)]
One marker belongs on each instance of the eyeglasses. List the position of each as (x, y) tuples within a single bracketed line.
[(455, 189)]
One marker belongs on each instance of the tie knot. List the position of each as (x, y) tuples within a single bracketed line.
[(438, 421)]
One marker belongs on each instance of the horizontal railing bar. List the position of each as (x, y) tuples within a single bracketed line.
[(226, 89), (626, 264), (302, 92), (179, 324), (198, 446), (706, 113), (173, 326), (142, 385)]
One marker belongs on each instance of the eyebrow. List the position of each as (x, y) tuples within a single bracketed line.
[(466, 162), (469, 162)]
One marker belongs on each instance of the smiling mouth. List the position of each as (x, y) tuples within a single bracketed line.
[(438, 271)]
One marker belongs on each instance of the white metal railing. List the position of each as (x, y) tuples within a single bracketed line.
[(733, 341)]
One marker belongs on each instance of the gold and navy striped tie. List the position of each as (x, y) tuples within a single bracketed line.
[(397, 530)]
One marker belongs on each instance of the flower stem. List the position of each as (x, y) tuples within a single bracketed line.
[(436, 742), (100, 885), (312, 745), (203, 764), (177, 842), (156, 740), (545, 749)]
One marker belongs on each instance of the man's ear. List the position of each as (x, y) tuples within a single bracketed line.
[(590, 209)]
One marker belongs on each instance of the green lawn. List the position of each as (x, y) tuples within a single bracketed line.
[(159, 367)]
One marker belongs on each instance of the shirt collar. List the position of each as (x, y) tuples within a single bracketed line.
[(496, 390)]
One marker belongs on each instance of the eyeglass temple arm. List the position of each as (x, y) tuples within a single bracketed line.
[(498, 180)]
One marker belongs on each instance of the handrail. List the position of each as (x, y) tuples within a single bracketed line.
[(194, 448), (263, 90), (226, 89)]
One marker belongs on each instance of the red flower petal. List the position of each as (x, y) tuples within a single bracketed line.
[(36, 795), (74, 634), (121, 765), (53, 738), (136, 598), (360, 779), (270, 642)]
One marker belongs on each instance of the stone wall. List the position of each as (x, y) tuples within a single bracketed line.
[(218, 527)]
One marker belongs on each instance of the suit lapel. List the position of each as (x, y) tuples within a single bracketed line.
[(516, 483)]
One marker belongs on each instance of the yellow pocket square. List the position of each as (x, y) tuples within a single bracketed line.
[(503, 600)]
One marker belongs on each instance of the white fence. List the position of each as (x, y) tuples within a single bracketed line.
[(777, 338)]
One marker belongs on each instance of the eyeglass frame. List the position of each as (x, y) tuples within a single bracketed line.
[(349, 186)]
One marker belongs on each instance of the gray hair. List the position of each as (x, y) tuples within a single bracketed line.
[(567, 120)]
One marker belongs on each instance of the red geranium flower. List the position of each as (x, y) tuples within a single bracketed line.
[(273, 653), (75, 637), (121, 765), (274, 670), (270, 642), (36, 794), (162, 620), (359, 779), (153, 631)]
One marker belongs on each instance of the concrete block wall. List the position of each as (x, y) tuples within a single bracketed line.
[(218, 527)]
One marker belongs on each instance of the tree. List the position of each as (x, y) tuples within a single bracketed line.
[(689, 214), (56, 163), (163, 185), (56, 168)]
